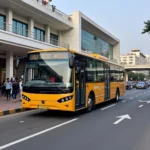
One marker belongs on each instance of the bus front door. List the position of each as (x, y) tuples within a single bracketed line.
[(107, 82), (80, 87)]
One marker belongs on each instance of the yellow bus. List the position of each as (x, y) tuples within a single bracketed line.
[(66, 80)]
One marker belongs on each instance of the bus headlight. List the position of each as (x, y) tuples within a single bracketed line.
[(65, 99), (25, 98)]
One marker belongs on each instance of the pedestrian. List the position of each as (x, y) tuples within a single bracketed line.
[(20, 88), (3, 92), (15, 88), (8, 88)]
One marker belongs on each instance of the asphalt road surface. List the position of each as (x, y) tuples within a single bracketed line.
[(111, 126)]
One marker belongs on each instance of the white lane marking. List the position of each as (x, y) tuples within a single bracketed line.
[(36, 134), (121, 118), (141, 94), (131, 97), (21, 121), (108, 107), (124, 101), (146, 101), (136, 95), (140, 106)]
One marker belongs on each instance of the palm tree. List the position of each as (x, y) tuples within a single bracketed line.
[(147, 27)]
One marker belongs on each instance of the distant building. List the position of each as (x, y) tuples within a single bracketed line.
[(148, 58), (135, 57)]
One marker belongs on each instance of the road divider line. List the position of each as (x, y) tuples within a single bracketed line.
[(108, 107), (140, 106), (124, 101), (131, 98), (36, 134)]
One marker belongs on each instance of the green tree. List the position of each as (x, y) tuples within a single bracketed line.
[(147, 27), (141, 76), (136, 76), (132, 75)]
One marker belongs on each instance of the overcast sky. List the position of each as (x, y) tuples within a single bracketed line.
[(124, 19)]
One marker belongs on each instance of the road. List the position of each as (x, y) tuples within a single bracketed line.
[(105, 128)]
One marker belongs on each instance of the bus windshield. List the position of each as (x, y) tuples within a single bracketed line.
[(48, 73)]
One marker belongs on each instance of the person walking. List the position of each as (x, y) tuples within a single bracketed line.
[(15, 89), (20, 88), (8, 88), (3, 91)]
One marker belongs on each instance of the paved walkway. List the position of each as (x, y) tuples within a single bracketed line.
[(9, 104)]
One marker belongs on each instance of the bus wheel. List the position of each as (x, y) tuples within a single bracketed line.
[(117, 96), (90, 103)]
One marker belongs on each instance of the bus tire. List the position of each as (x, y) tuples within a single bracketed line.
[(117, 98), (90, 103)]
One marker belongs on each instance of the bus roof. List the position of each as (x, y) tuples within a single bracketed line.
[(95, 56)]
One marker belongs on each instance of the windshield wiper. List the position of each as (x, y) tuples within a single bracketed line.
[(31, 85), (58, 87)]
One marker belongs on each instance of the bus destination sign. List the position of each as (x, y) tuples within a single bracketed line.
[(49, 56)]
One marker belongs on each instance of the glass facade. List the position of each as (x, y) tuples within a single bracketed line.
[(2, 22), (39, 34), (20, 28), (96, 45)]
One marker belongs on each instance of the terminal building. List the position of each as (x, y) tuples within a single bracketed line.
[(27, 25)]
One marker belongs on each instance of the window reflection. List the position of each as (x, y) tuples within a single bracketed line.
[(2, 22), (39, 34), (96, 45), (20, 28)]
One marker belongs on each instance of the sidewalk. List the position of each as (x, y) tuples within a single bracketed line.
[(8, 104), (9, 107)]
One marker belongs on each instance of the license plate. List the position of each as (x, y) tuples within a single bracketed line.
[(43, 107)]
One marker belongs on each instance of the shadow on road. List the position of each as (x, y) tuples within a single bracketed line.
[(69, 115)]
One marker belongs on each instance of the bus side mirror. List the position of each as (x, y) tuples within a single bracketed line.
[(17, 63), (71, 62)]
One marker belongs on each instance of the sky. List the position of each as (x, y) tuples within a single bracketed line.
[(123, 19)]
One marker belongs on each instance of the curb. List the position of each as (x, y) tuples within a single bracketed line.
[(13, 111)]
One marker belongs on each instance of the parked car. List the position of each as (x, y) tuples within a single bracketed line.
[(134, 84), (141, 85), (148, 82), (129, 85)]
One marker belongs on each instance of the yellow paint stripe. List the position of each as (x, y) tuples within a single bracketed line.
[(12, 111), (1, 113)]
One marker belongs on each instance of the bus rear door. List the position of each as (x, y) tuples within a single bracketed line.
[(107, 81)]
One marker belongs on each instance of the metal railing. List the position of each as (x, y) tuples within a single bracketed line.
[(53, 9), (26, 33)]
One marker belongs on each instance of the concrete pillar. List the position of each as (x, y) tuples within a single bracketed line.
[(9, 20), (31, 28), (116, 52), (47, 34), (9, 64), (126, 76), (60, 43), (60, 36)]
